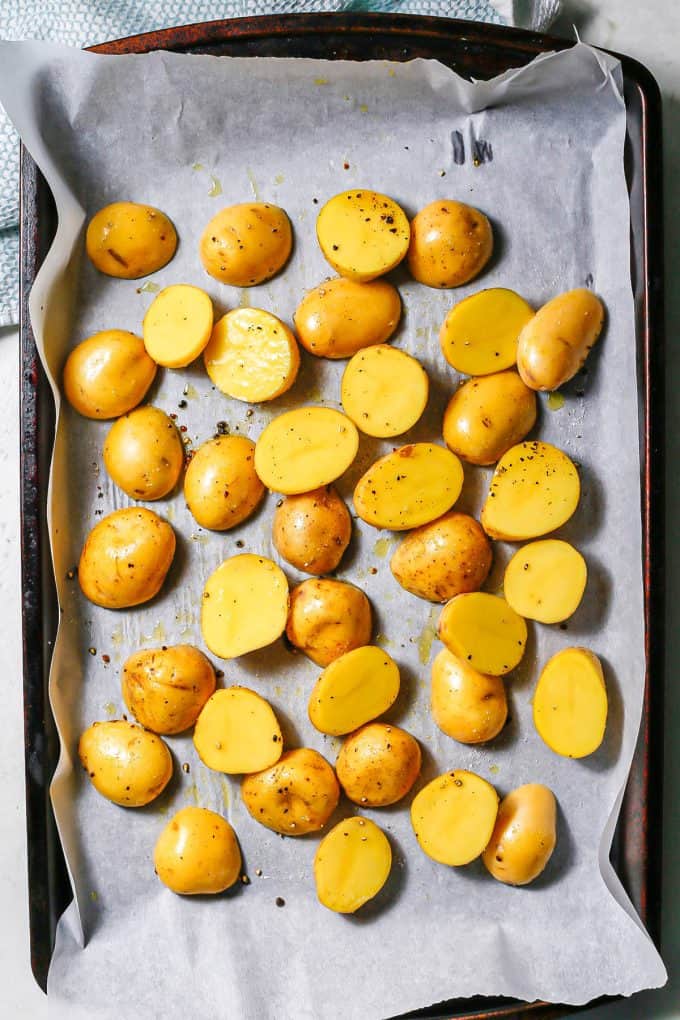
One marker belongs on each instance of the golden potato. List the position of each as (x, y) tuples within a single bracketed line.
[(246, 244), (125, 558), (328, 618), (353, 689), (570, 703), (545, 580), (252, 355), (304, 449), (479, 335), (351, 865), (221, 487), (378, 764), (384, 391), (450, 244), (197, 853), (483, 630), (177, 325), (129, 240), (555, 343), (443, 559), (468, 706), (295, 796), (125, 764), (143, 453), (488, 415), (166, 688), (524, 836), (363, 234), (237, 732), (340, 317), (453, 817), (312, 530), (108, 374), (245, 605)]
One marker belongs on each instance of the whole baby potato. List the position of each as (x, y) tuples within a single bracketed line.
[(295, 796), (108, 374), (246, 244), (444, 558), (221, 487), (312, 530), (166, 688), (129, 240), (450, 244), (125, 764), (488, 415), (341, 316), (378, 764), (524, 835), (197, 853), (468, 706), (125, 558), (328, 618), (557, 340), (143, 453)]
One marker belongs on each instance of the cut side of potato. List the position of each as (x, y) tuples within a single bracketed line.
[(524, 836), (363, 234), (340, 317), (545, 580), (409, 487), (570, 703), (177, 325), (468, 706), (483, 631), (384, 391), (453, 817), (252, 355), (479, 335), (534, 489), (304, 449), (351, 865), (238, 732), (244, 606), (355, 688)]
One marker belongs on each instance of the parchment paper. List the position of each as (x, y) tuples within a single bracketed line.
[(543, 157)]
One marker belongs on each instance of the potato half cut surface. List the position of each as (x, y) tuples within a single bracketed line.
[(355, 688), (483, 630), (384, 391), (409, 487), (304, 449), (570, 703), (479, 335), (351, 865), (177, 325), (252, 355), (244, 606), (363, 234), (545, 580), (238, 732), (453, 817)]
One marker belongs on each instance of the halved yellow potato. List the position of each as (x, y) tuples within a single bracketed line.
[(221, 487), (304, 449), (340, 317), (351, 864), (129, 240), (244, 606), (246, 244), (125, 763), (252, 355), (545, 580), (453, 817), (468, 706), (534, 489), (378, 764), (483, 630), (296, 795), (355, 688), (177, 325), (444, 558), (108, 374), (451, 242), (409, 487), (570, 703), (363, 234), (197, 853), (328, 618), (384, 391), (479, 335), (237, 731), (524, 836), (143, 453), (557, 340), (488, 415)]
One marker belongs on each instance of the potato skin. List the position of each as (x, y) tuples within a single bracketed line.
[(468, 706), (378, 764), (108, 374), (295, 796), (328, 618), (166, 688), (524, 836), (312, 530), (341, 316), (197, 852), (125, 763), (129, 240), (450, 244), (442, 559), (125, 558), (554, 344), (488, 415), (246, 244), (143, 453), (221, 487)]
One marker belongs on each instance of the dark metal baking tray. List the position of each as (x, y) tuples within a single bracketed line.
[(473, 50)]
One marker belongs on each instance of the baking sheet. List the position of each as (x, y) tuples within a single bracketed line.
[(191, 134)]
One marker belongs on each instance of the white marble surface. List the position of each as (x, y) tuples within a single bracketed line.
[(648, 31)]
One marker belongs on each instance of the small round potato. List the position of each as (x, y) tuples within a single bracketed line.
[(312, 530), (378, 764), (252, 355), (197, 853), (362, 234), (237, 731), (353, 689), (453, 817), (351, 865), (524, 836), (479, 334), (328, 618), (340, 317), (384, 391), (143, 453), (129, 240), (125, 763), (305, 448), (450, 244), (108, 374), (246, 244), (468, 706), (484, 631), (488, 415), (166, 688), (295, 796), (177, 325), (221, 487), (443, 559)]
